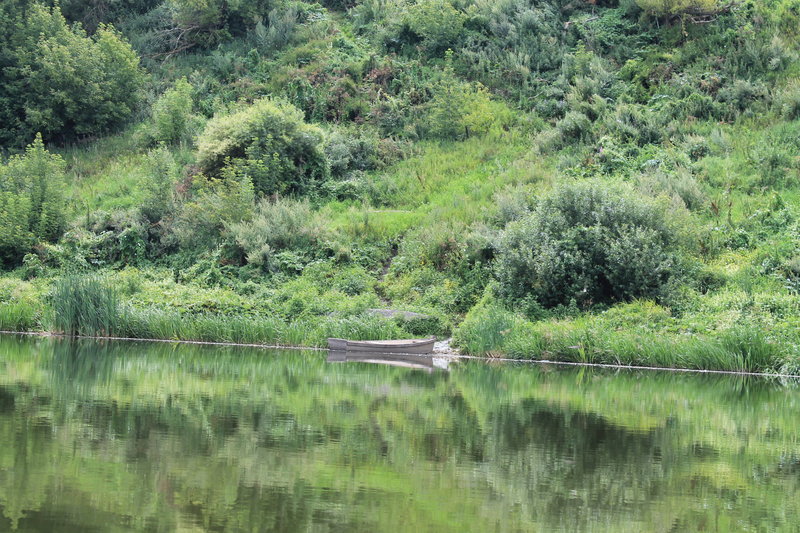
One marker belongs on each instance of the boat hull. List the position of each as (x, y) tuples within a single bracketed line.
[(408, 346)]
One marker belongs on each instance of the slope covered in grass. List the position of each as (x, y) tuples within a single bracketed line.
[(610, 182)]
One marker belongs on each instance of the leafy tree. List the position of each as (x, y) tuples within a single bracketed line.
[(31, 201), (437, 22), (269, 142), (56, 80)]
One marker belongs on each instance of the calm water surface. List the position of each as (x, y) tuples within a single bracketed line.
[(113, 437)]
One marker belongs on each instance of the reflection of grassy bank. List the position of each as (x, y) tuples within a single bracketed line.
[(266, 437)]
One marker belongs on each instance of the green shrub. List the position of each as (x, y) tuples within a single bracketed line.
[(505, 42), (680, 185), (206, 23), (741, 95), (159, 185), (437, 22), (587, 243), (358, 149), (673, 7), (635, 123), (575, 126), (279, 32), (459, 110), (31, 201), (172, 114), (269, 142), (788, 101), (201, 221), (485, 328), (276, 225)]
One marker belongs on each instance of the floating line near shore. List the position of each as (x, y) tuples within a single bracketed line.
[(446, 354)]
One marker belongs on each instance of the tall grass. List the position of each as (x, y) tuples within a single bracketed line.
[(84, 305), (589, 340), (485, 332), (163, 324), (18, 316)]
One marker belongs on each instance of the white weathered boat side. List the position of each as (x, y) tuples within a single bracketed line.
[(400, 346)]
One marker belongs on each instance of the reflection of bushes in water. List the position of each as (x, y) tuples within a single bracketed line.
[(538, 433), (533, 422)]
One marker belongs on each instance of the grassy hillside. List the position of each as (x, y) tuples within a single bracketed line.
[(611, 181)]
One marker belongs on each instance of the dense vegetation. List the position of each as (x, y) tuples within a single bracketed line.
[(596, 181)]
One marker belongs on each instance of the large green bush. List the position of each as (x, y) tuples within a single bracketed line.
[(56, 80), (31, 201), (437, 22), (269, 142), (588, 244)]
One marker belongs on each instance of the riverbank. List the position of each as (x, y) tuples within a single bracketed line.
[(442, 349), (758, 336), (640, 334)]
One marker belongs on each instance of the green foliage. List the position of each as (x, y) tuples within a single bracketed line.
[(269, 142), (588, 244), (216, 204), (208, 22), (485, 327), (159, 185), (276, 225), (459, 110), (437, 22), (673, 7), (58, 81), (680, 186), (93, 13), (172, 114), (31, 201), (280, 31), (788, 102), (359, 149)]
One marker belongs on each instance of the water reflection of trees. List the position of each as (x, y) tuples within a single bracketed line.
[(165, 437)]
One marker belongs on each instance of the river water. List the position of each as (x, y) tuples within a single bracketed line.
[(122, 436)]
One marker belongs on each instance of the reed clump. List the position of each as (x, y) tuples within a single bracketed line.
[(84, 305)]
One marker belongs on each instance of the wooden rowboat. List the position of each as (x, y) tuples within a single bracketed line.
[(402, 346)]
